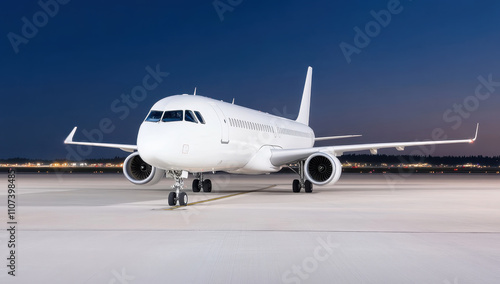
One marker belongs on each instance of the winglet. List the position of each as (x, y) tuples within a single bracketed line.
[(475, 136), (69, 139), (305, 104)]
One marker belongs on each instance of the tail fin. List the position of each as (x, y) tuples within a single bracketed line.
[(306, 99)]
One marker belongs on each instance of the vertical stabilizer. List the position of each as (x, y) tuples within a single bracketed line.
[(305, 104)]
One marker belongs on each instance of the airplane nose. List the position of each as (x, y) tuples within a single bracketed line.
[(150, 145)]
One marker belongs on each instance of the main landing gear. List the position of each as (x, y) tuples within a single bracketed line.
[(199, 183), (178, 195), (300, 183)]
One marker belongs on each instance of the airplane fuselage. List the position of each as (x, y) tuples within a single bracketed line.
[(232, 138)]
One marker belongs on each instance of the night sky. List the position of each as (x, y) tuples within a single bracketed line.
[(396, 79)]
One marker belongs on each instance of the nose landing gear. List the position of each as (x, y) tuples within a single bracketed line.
[(178, 195)]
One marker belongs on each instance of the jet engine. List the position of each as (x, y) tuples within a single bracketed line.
[(322, 168), (139, 172)]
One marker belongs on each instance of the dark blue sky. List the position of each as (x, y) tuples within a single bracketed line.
[(400, 86)]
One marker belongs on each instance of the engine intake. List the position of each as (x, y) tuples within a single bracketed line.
[(139, 172), (322, 168)]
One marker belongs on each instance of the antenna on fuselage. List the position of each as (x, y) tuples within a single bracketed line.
[(194, 94), (233, 101)]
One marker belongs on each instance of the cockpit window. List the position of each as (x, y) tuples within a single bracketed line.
[(173, 115), (200, 118), (154, 116), (189, 116)]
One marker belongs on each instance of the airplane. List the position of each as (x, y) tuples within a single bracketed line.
[(185, 134)]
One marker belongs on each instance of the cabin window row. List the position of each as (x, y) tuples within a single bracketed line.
[(250, 125), (175, 115)]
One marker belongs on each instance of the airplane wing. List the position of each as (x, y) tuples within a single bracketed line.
[(281, 157), (335, 137), (124, 147)]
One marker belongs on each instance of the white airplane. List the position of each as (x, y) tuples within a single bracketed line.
[(190, 133)]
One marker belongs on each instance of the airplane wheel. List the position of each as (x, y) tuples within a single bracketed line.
[(207, 185), (171, 198), (183, 199), (308, 186), (196, 185), (296, 185)]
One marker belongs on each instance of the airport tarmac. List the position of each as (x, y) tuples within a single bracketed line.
[(367, 228)]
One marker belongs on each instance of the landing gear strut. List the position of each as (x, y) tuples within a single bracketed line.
[(200, 183), (300, 183), (178, 195)]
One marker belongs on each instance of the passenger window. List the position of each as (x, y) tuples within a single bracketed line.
[(154, 116), (189, 116), (173, 115), (200, 118)]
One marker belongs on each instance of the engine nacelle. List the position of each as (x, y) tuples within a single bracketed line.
[(139, 172), (322, 168)]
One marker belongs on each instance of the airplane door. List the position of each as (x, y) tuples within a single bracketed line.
[(224, 124)]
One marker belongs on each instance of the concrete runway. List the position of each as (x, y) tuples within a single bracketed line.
[(379, 228)]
